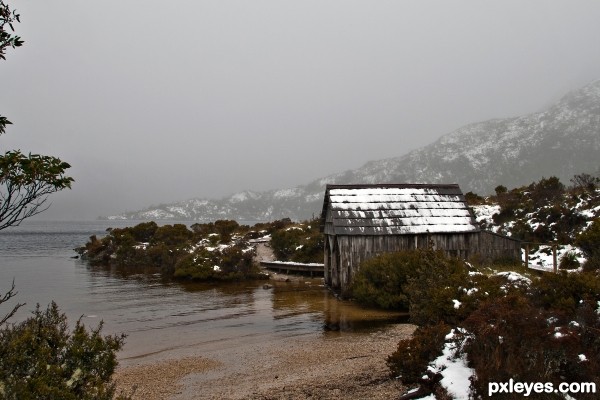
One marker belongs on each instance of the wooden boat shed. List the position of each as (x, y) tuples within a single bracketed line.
[(362, 221)]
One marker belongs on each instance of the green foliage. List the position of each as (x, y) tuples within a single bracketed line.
[(524, 331), (546, 190), (564, 292), (501, 328), (542, 212), (592, 264), (513, 338), (589, 243), (473, 199), (585, 182), (177, 235), (25, 183), (209, 251), (569, 261), (500, 189), (201, 254), (41, 359), (424, 281), (589, 240), (223, 227), (412, 356), (228, 263), (144, 232), (7, 39), (300, 243), (380, 281), (439, 282)]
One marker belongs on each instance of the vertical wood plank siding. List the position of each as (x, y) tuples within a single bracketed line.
[(344, 254)]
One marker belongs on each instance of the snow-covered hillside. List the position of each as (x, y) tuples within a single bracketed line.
[(559, 217), (562, 140)]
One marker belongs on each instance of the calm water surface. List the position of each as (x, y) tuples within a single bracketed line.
[(163, 318)]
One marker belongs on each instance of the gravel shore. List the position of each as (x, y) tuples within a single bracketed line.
[(328, 365)]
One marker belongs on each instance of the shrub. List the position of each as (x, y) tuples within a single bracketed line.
[(380, 281), (569, 261), (546, 190), (500, 190), (474, 199), (412, 356), (423, 281), (144, 231), (229, 263), (41, 359), (435, 288), (225, 228), (178, 251), (299, 243), (564, 292), (585, 182), (589, 240), (512, 338), (592, 264), (507, 336), (177, 235)]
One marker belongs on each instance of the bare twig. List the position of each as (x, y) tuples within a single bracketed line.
[(6, 297)]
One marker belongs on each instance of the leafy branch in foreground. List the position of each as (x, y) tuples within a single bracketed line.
[(41, 358), (7, 17), (25, 183)]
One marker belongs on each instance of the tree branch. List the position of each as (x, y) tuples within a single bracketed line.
[(6, 297)]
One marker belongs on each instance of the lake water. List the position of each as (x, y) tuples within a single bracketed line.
[(164, 318)]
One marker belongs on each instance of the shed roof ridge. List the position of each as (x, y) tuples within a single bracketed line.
[(391, 185)]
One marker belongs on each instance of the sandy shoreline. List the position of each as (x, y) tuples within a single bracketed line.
[(329, 365)]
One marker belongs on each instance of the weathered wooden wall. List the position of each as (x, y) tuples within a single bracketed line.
[(491, 246), (344, 253)]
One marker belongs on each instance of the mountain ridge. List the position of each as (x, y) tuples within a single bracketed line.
[(562, 140)]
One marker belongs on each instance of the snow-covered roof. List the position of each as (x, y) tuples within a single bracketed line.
[(396, 209)]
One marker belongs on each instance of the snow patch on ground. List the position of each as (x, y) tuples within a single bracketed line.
[(514, 277), (543, 259), (454, 370), (485, 212)]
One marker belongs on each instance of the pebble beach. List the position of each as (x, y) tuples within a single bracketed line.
[(329, 365)]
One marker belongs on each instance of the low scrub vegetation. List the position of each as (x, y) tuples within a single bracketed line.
[(299, 242), (40, 358), (544, 211), (548, 212), (219, 250), (498, 323)]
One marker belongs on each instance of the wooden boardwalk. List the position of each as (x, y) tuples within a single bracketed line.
[(293, 267)]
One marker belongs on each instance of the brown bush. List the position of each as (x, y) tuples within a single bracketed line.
[(412, 356)]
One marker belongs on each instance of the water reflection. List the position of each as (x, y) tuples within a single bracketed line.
[(304, 304), (163, 317), (334, 314)]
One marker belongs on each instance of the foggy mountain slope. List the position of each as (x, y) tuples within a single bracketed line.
[(563, 140)]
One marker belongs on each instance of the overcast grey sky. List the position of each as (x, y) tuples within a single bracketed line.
[(161, 101)]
